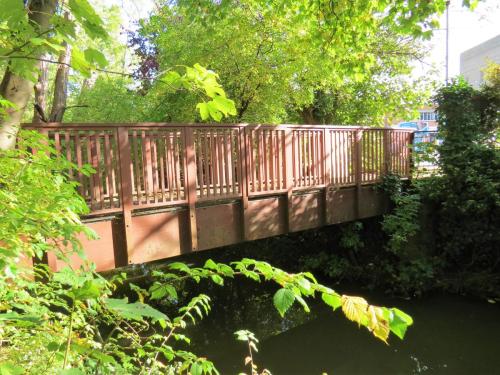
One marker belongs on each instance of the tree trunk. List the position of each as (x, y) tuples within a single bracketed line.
[(40, 109), (61, 86), (307, 114), (19, 90)]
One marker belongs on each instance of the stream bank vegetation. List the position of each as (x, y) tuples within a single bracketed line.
[(442, 230)]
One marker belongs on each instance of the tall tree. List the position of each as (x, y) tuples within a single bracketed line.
[(275, 56), (15, 87), (33, 29)]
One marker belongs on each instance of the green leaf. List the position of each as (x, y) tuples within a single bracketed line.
[(90, 289), (283, 299), (160, 291), (196, 369), (204, 112), (134, 311), (88, 18), (71, 371), (332, 300), (7, 368), (400, 322), (95, 57), (225, 105), (79, 62), (172, 78), (217, 279), (20, 317)]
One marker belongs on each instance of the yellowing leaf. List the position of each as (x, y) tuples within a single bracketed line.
[(355, 309)]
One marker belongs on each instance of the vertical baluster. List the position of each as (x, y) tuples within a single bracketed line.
[(154, 166), (199, 160), (68, 151), (109, 176), (226, 139), (161, 161), (213, 159), (169, 166), (78, 152), (177, 160), (98, 175), (145, 179), (220, 160), (205, 161)]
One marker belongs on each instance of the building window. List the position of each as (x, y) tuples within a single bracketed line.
[(427, 116)]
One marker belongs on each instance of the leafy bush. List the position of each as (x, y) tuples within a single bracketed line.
[(469, 158)]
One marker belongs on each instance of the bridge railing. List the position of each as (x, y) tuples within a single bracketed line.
[(145, 165)]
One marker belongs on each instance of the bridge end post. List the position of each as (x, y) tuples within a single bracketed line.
[(244, 150), (125, 164), (289, 165), (190, 185), (358, 165)]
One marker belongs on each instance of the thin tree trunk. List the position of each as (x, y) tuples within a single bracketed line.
[(19, 90), (40, 110), (61, 86)]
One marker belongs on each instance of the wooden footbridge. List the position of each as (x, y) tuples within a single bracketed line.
[(163, 189)]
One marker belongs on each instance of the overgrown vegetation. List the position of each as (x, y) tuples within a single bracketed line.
[(442, 230)]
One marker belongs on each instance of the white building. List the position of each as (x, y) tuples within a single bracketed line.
[(474, 60)]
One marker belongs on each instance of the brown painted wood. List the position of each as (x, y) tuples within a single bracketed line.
[(126, 191), (282, 174), (190, 184)]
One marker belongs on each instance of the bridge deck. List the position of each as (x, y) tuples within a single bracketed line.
[(164, 189)]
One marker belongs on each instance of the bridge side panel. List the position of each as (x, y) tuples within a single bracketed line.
[(307, 211), (159, 235), (219, 225), (266, 217), (100, 251)]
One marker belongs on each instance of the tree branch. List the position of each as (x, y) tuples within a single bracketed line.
[(62, 63)]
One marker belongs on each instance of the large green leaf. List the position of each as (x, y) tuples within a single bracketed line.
[(135, 311), (89, 290), (95, 57), (400, 322), (7, 368), (283, 299), (333, 300), (79, 62)]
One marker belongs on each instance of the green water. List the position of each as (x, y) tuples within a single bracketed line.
[(451, 335)]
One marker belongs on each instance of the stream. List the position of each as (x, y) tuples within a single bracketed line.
[(451, 335)]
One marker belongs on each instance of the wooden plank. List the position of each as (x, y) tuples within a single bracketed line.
[(177, 163), (206, 169), (161, 157), (190, 185), (199, 160), (288, 177), (169, 159), (154, 158), (79, 162), (220, 159), (126, 192), (227, 164), (67, 145), (137, 171), (109, 174)]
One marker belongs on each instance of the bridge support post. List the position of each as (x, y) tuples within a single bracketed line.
[(244, 155), (328, 156), (387, 151), (358, 165), (289, 165), (190, 185), (126, 195)]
